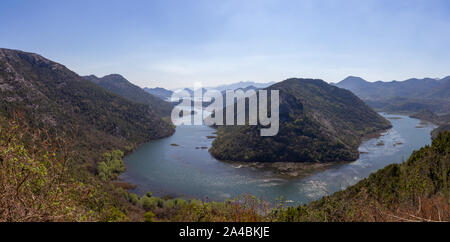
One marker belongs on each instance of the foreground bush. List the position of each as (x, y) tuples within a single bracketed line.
[(41, 181)]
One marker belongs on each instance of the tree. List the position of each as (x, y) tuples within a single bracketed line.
[(112, 166)]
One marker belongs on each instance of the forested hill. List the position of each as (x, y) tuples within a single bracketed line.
[(117, 84), (318, 123), (54, 97)]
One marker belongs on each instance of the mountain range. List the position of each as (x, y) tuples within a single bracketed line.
[(409, 96)]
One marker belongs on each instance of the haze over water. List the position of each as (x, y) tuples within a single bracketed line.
[(189, 171)]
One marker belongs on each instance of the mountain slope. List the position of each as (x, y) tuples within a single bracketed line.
[(52, 96), (417, 190), (318, 123), (119, 85)]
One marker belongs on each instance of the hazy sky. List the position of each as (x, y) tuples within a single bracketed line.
[(172, 43)]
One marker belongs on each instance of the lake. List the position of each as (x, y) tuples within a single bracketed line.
[(186, 170)]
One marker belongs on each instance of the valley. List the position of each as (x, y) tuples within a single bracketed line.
[(59, 126), (407, 97), (186, 172), (224, 111)]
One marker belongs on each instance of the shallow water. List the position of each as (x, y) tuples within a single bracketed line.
[(188, 171)]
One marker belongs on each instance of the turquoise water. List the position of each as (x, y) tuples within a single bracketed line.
[(189, 172)]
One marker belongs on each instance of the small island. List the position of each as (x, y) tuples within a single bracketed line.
[(380, 143)]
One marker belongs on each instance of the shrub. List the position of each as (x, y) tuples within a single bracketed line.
[(149, 203), (112, 166), (149, 217)]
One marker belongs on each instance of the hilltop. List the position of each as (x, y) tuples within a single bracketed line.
[(117, 84), (318, 123), (55, 98)]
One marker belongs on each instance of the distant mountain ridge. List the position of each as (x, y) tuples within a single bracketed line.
[(412, 95), (242, 85), (417, 190), (160, 92), (117, 84), (318, 123)]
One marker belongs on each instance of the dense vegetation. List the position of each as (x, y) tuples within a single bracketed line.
[(119, 85), (112, 166), (410, 96), (41, 180), (318, 123)]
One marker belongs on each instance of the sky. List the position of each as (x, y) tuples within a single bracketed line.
[(174, 43)]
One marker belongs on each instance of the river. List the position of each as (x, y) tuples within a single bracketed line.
[(178, 166)]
